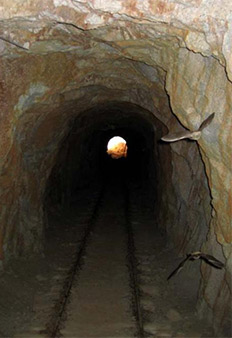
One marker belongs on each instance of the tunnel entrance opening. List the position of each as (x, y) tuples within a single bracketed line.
[(116, 147)]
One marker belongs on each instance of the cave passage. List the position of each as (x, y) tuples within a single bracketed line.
[(132, 190), (83, 160), (130, 187)]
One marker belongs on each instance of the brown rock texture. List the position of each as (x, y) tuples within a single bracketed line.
[(60, 59)]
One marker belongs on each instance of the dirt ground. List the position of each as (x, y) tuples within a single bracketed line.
[(29, 287)]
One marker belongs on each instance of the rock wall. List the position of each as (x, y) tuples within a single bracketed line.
[(212, 92), (171, 58)]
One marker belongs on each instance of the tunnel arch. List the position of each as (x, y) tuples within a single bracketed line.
[(99, 124)]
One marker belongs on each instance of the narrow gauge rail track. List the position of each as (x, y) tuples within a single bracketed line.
[(133, 271), (116, 293), (57, 321), (54, 325)]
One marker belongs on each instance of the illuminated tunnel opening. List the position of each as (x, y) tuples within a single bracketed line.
[(117, 147)]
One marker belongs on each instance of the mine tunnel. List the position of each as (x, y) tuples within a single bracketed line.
[(72, 77), (82, 164), (82, 159)]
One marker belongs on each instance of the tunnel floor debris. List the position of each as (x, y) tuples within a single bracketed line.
[(31, 288)]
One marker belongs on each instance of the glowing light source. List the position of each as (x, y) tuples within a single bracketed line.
[(117, 147)]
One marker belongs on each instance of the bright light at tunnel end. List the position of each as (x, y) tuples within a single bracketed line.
[(117, 147)]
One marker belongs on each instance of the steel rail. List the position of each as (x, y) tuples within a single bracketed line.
[(53, 327), (133, 270)]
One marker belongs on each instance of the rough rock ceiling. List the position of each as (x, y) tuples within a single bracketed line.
[(199, 25)]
